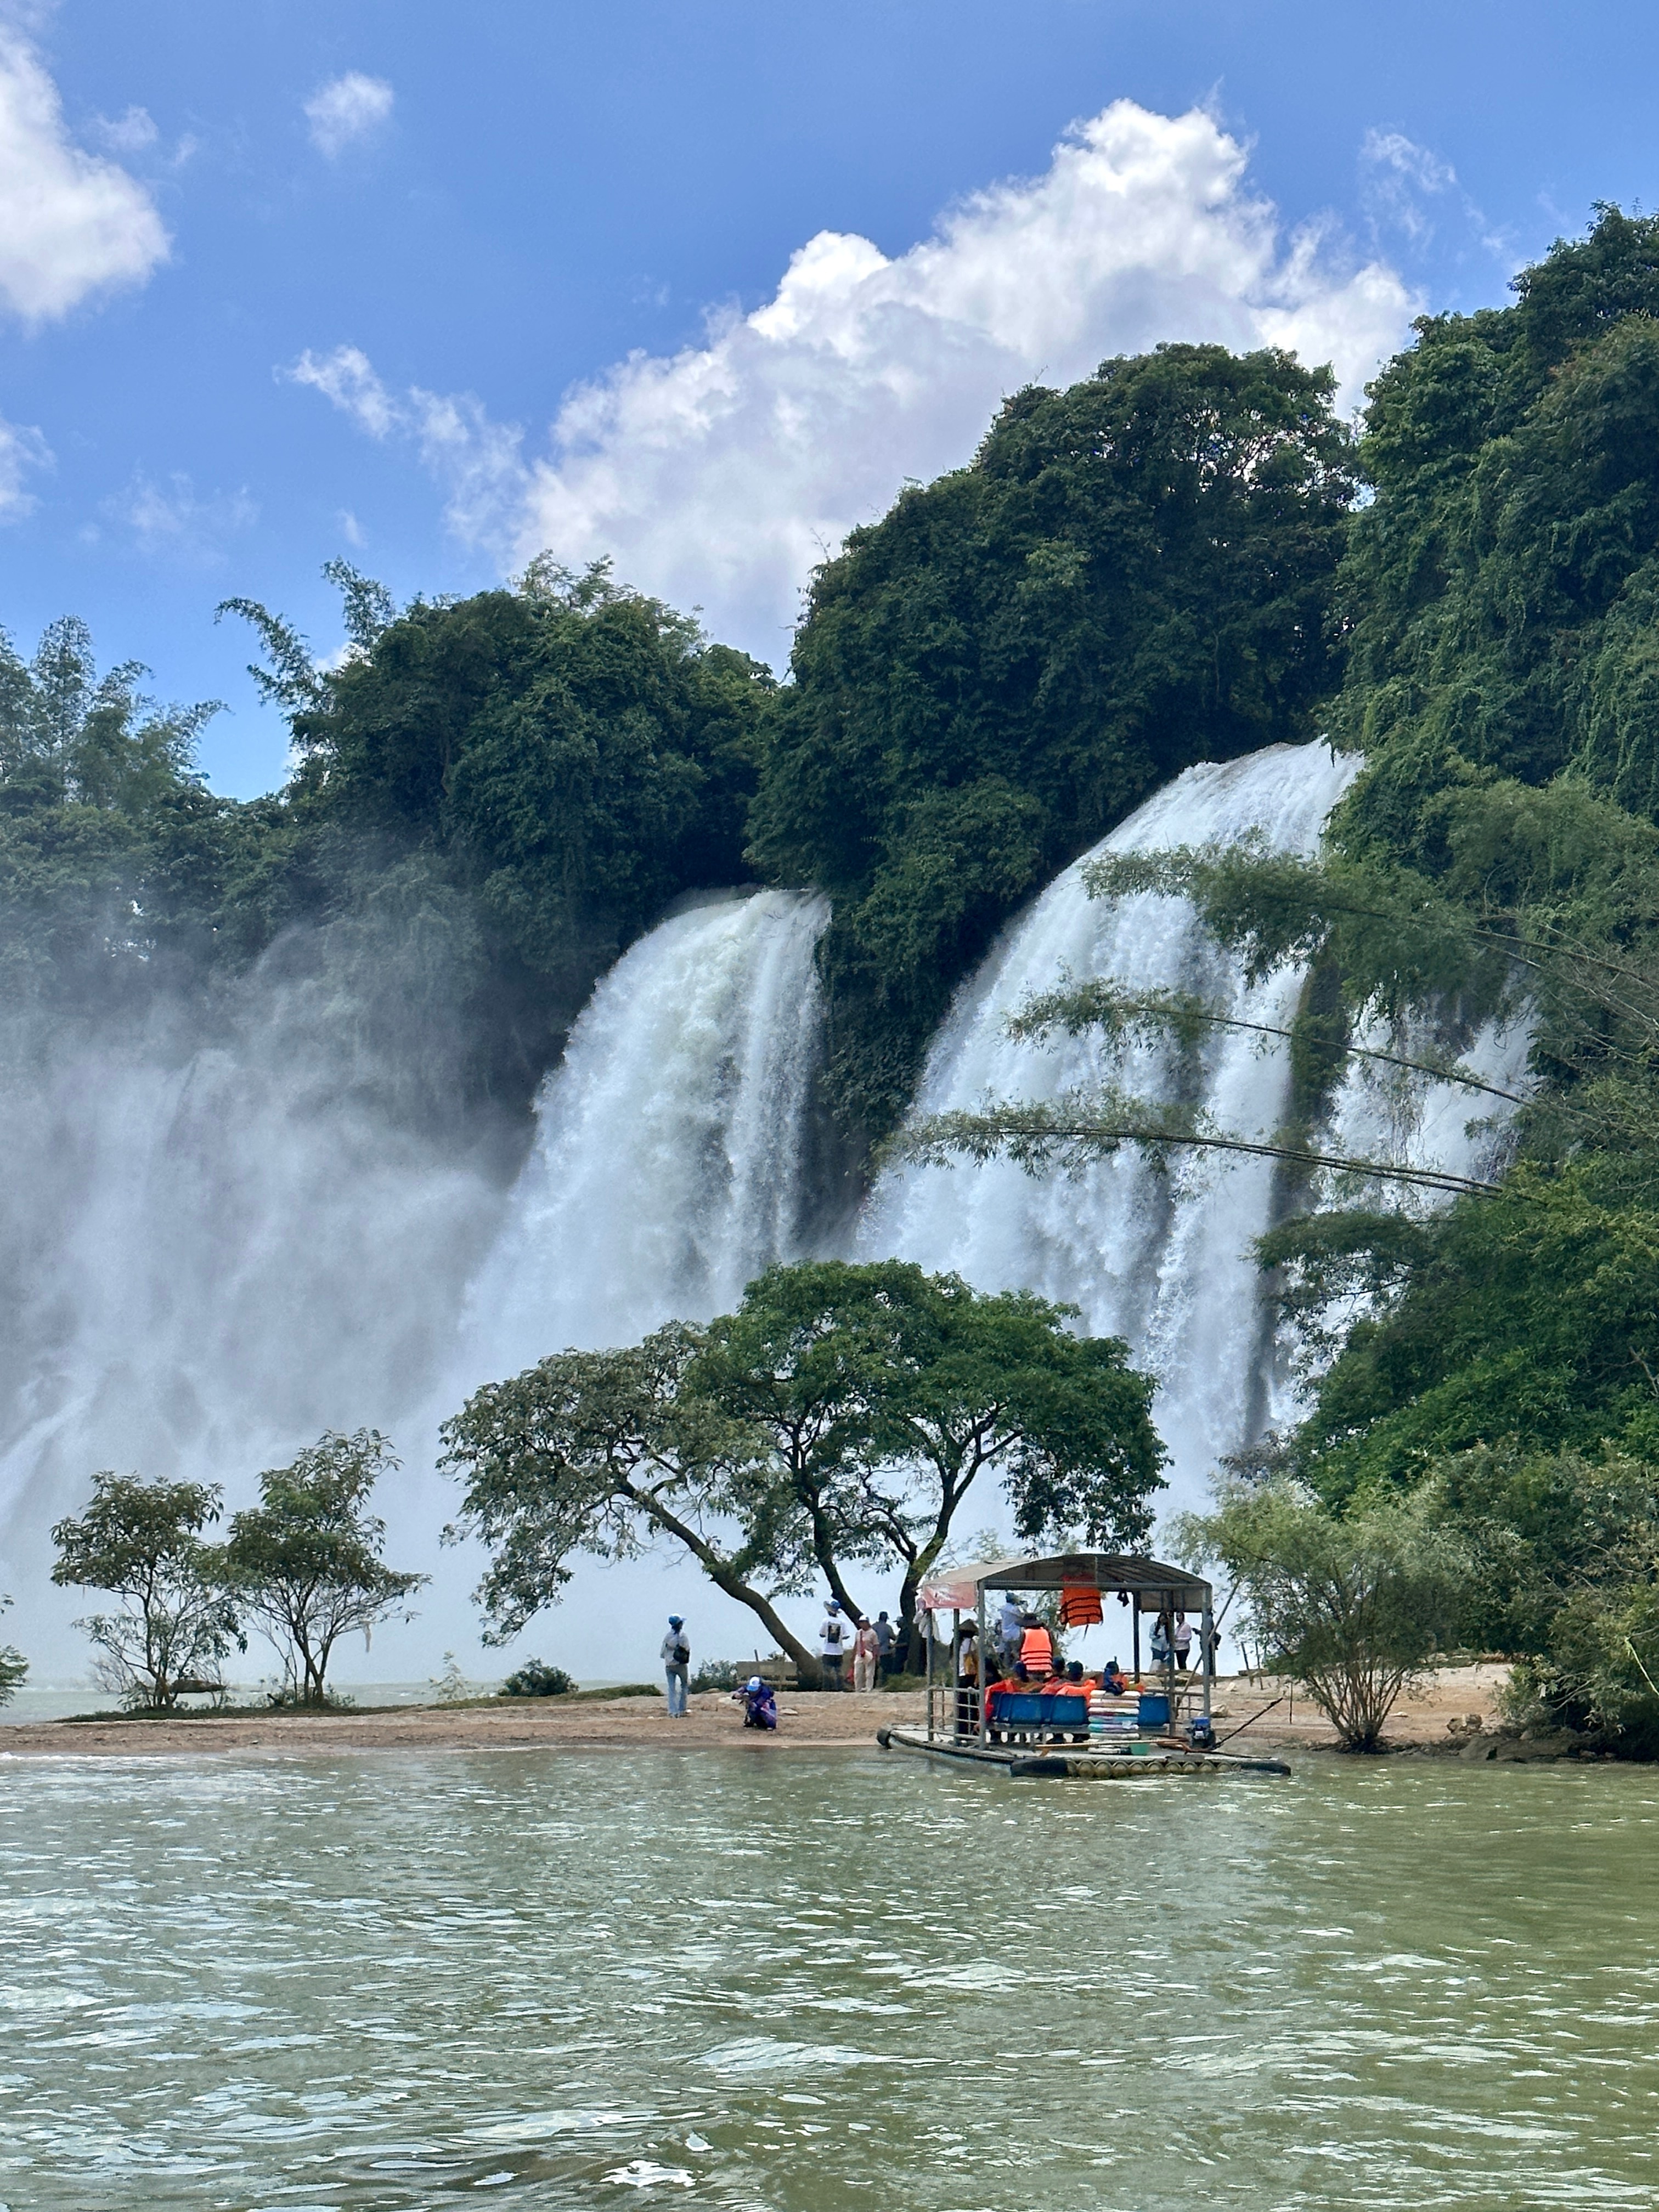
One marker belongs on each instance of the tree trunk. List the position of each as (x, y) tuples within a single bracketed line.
[(808, 1671)]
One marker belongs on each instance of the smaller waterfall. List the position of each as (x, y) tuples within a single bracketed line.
[(669, 1169), (1163, 1260)]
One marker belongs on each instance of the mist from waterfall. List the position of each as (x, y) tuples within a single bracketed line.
[(221, 1236), (1161, 1258)]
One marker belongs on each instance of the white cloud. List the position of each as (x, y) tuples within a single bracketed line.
[(71, 224), (1397, 179), (347, 377), (22, 449), (720, 474), (475, 458), (174, 520), (134, 132), (345, 109)]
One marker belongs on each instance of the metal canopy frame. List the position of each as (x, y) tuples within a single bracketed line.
[(1155, 1586)]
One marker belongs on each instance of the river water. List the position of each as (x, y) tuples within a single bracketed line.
[(764, 1978)]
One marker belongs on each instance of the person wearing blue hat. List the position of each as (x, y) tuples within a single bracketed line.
[(676, 1663), (760, 1706)]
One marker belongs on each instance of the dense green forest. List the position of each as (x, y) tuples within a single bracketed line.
[(1186, 556)]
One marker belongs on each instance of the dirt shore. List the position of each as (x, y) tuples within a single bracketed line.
[(806, 1722)]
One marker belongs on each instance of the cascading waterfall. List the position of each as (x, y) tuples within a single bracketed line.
[(669, 1168), (1161, 1260)]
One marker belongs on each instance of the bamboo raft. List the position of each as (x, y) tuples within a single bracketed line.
[(1074, 1762)]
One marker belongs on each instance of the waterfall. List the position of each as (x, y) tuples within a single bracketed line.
[(669, 1166), (216, 1247), (1162, 1259)]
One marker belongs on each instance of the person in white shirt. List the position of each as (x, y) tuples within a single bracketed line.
[(1183, 1640), (676, 1663), (833, 1637)]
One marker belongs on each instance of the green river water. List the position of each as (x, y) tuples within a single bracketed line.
[(763, 1978)]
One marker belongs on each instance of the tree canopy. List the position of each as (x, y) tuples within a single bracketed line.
[(306, 1561), (1133, 574), (832, 1427), (142, 1543)]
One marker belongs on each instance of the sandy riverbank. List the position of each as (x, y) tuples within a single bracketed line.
[(807, 1722)]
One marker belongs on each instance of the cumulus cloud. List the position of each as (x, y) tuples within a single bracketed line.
[(345, 109), (71, 224), (720, 474), (22, 451)]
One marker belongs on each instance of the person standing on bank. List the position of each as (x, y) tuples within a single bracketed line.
[(833, 1640), (676, 1663), (866, 1649), (1183, 1641), (883, 1646)]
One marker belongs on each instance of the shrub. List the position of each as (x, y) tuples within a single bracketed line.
[(1355, 1606), (536, 1678)]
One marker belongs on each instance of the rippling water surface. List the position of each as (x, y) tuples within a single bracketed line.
[(773, 1979)]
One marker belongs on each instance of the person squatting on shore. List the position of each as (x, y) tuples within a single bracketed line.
[(833, 1640), (866, 1650), (760, 1706), (676, 1663)]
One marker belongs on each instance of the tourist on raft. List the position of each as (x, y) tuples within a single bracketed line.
[(760, 1705), (1112, 1680)]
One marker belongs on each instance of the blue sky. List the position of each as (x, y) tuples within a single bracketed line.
[(430, 287)]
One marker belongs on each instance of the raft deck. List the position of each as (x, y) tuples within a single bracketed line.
[(1075, 1762)]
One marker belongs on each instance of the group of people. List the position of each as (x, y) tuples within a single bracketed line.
[(871, 1645)]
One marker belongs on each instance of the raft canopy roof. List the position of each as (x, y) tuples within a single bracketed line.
[(955, 1589)]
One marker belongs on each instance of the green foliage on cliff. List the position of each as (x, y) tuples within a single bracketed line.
[(1133, 574), (1500, 595)]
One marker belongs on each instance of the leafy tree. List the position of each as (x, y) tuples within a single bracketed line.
[(141, 1541), (1132, 575), (838, 1419), (1354, 1606), (1530, 1316), (306, 1561), (13, 1667), (113, 859), (884, 1392), (601, 1453)]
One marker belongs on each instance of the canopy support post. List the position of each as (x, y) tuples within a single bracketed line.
[(979, 1697)]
